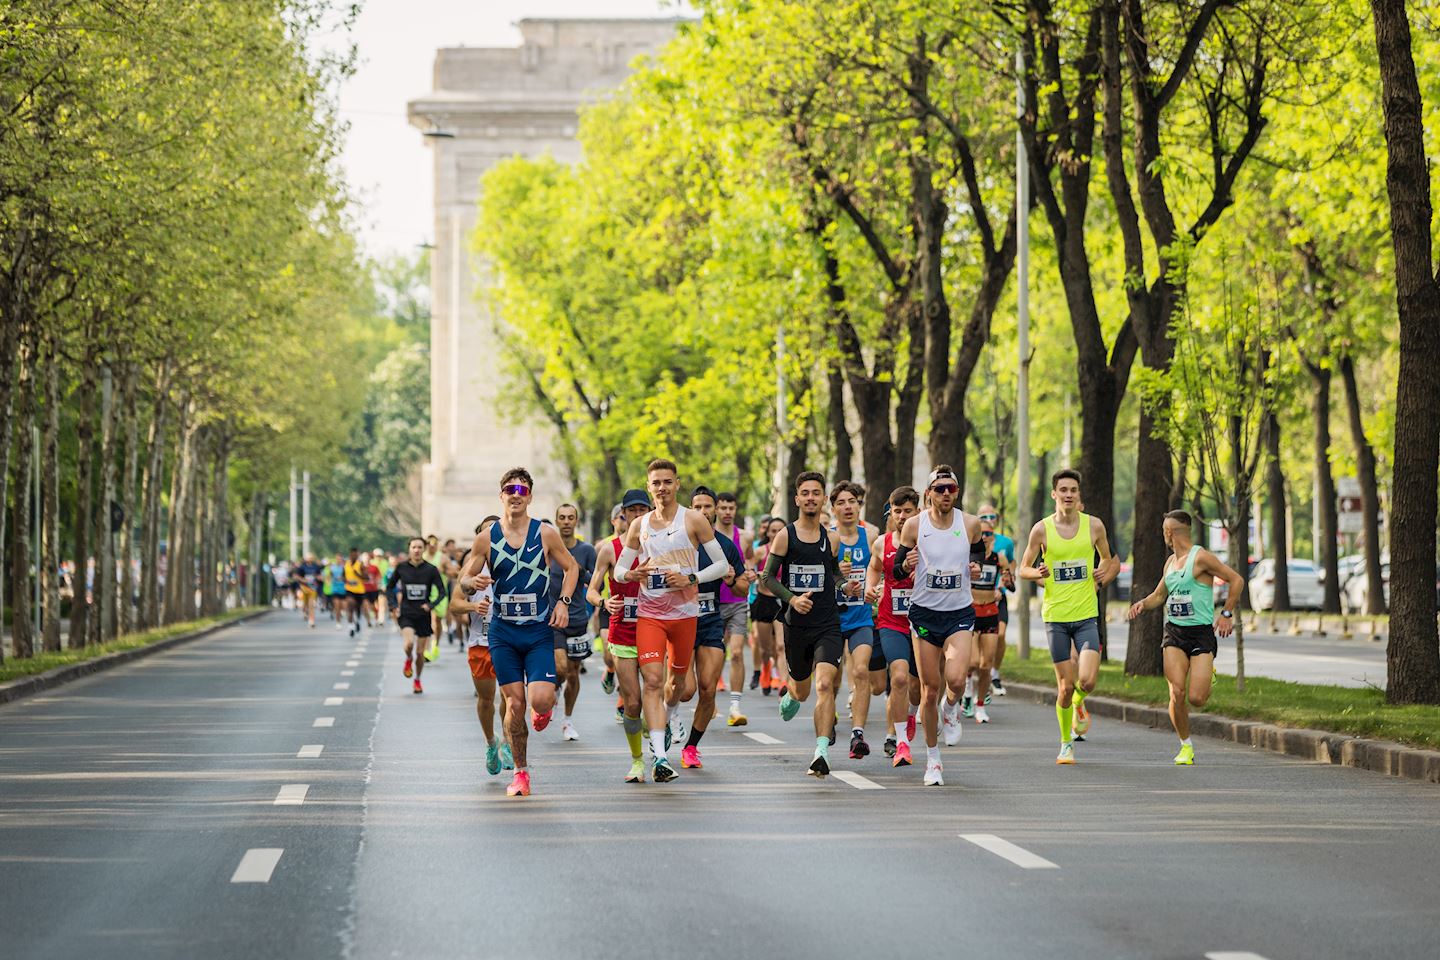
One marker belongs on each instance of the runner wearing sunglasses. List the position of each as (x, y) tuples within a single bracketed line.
[(986, 592), (517, 550), (1005, 547), (942, 611)]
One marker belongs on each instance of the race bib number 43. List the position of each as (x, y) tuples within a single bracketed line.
[(519, 606), (1179, 606), (805, 577)]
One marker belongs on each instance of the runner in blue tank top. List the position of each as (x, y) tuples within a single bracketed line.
[(518, 550), (857, 621)]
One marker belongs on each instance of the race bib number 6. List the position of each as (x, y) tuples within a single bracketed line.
[(519, 606)]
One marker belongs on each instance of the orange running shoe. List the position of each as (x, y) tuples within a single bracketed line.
[(765, 675), (409, 671), (902, 755), (690, 758), (519, 785), (540, 721)]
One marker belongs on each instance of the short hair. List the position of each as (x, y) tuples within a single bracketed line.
[(846, 486), (354, 549), (903, 495), (571, 506), (660, 463), (481, 525), (1180, 516), (413, 539), (517, 473), (449, 541), (1065, 474), (702, 491), (725, 496), (806, 476), (942, 470)]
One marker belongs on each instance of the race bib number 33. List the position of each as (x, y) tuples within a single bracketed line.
[(1072, 571)]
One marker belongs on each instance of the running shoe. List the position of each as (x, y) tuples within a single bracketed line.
[(568, 731), (981, 714), (819, 767), (507, 759), (766, 691), (736, 718), (418, 688), (679, 730), (619, 714), (765, 677), (754, 679), (998, 686), (789, 706), (690, 757), (519, 785), (988, 697), (902, 755), (637, 771), (1078, 738), (1067, 753), (858, 747), (832, 734), (492, 759), (910, 727), (668, 738), (1082, 717), (409, 667), (889, 746), (539, 721), (967, 705), (607, 682), (664, 773), (934, 775), (1186, 756), (951, 725)]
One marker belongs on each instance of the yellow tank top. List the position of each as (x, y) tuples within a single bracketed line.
[(1070, 587)]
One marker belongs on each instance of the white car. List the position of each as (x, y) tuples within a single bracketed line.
[(1307, 591), (1354, 590)]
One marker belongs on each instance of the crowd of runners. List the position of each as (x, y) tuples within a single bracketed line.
[(916, 613)]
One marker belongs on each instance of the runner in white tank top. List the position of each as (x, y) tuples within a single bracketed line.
[(942, 577), (667, 547)]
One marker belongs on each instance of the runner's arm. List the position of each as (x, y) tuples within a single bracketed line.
[(718, 567), (1109, 567), (604, 559), (479, 552), (874, 575), (770, 579), (629, 553), (1029, 569), (1157, 597), (1209, 563), (556, 553), (904, 543)]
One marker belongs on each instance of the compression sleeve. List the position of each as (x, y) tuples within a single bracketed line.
[(771, 578), (628, 555), (901, 552), (390, 583), (977, 551), (717, 566)]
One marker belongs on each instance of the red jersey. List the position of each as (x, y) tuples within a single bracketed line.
[(894, 610), (622, 628)]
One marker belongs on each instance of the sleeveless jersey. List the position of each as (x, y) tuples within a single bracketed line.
[(854, 611), (522, 581), (726, 594), (622, 628), (1189, 603), (812, 568), (942, 577), (480, 626), (670, 549), (1070, 587), (989, 578), (895, 597)]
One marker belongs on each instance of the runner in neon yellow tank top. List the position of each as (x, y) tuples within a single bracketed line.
[(1191, 624), (1059, 554)]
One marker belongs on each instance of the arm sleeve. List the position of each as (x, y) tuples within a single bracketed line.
[(717, 566), (898, 570), (390, 581), (771, 577), (628, 555)]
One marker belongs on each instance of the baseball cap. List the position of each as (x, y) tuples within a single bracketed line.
[(938, 474), (615, 513), (635, 498)]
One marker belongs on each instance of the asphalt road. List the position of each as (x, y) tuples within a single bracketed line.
[(129, 801)]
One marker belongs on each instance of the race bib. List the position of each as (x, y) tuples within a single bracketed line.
[(805, 577), (519, 606), (900, 603), (631, 612), (988, 573), (856, 576), (943, 580), (415, 591), (1071, 571), (707, 604), (1179, 606), (578, 648)]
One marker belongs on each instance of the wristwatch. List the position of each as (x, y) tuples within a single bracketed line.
[(694, 579), (1228, 614), (565, 600)]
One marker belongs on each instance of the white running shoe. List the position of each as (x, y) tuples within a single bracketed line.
[(981, 716), (950, 722), (568, 731), (933, 777)]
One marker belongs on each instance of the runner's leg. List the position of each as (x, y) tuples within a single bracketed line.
[(1177, 675)]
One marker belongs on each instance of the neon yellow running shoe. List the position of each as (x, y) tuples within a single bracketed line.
[(432, 651), (1186, 756), (637, 771)]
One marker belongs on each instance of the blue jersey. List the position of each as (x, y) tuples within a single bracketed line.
[(854, 611), (522, 582), (1006, 547)]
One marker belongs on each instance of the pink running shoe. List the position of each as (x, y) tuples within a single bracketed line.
[(520, 785), (910, 727), (902, 755), (690, 758), (540, 721)]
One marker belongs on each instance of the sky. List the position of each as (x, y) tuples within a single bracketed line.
[(386, 161)]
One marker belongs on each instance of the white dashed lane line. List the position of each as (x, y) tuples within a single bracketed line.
[(1232, 955), (341, 686), (257, 865), (764, 738), (323, 722), (334, 701), (310, 751), (855, 780), (1007, 850), (292, 794)]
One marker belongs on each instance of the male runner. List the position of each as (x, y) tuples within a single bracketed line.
[(517, 550), (710, 628), (667, 540), (420, 587), (891, 595), (942, 612), (355, 591), (602, 617), (734, 601), (308, 574), (986, 592), (482, 670), (622, 606), (567, 517), (857, 623), (1004, 546), (1191, 625), (765, 612), (1060, 554), (336, 594), (813, 577)]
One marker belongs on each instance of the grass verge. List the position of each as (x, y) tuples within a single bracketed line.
[(15, 668), (1359, 712)]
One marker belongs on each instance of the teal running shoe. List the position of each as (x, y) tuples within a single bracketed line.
[(507, 759), (492, 759), (789, 706)]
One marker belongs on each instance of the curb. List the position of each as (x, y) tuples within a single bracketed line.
[(1322, 746), (29, 686)]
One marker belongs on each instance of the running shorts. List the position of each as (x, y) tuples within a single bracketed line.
[(561, 637), (420, 623), (1083, 634), (806, 645), (988, 625), (710, 632), (736, 617), (653, 636), (307, 593), (372, 597), (896, 645), (621, 651), (1191, 640), (481, 667), (765, 609), (859, 637), (936, 626), (522, 652)]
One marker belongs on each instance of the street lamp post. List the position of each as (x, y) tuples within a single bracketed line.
[(1022, 316)]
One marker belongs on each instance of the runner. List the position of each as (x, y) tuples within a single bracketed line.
[(622, 607), (765, 611), (602, 617), (1060, 554), (942, 613), (355, 591), (517, 550), (1004, 546), (668, 540), (891, 594), (307, 576), (857, 623), (370, 572), (710, 629), (1191, 625), (986, 592), (420, 587), (335, 592), (735, 602), (381, 561), (478, 606), (571, 643), (814, 646)]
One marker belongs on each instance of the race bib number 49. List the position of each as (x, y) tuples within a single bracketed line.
[(805, 577)]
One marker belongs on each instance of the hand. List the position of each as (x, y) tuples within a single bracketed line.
[(641, 570), (425, 607), (974, 570), (912, 560), (1007, 580), (478, 582), (615, 606), (560, 616), (1224, 626), (801, 603), (1103, 576), (676, 580), (1042, 571), (845, 568), (1135, 609), (852, 588), (483, 607), (873, 594)]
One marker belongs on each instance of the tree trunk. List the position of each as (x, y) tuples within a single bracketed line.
[(50, 501), (1153, 479), (125, 549), (907, 411), (22, 640), (1279, 534), (1413, 657), (220, 528), (104, 535), (180, 574), (1369, 489), (151, 482), (844, 448), (84, 501), (1325, 484), (256, 543), (9, 349)]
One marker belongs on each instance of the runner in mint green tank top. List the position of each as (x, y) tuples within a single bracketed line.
[(1191, 626)]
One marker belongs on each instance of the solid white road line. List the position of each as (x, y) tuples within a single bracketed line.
[(764, 738), (334, 701), (323, 722), (257, 865), (855, 780), (1232, 955), (310, 751), (292, 794), (347, 673), (1004, 848), (341, 686)]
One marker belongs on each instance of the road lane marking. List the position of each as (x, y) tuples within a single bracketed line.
[(257, 865), (1004, 848), (352, 663), (310, 751), (323, 722), (347, 673), (1232, 955), (764, 738), (292, 794), (341, 686), (855, 780), (333, 701)]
